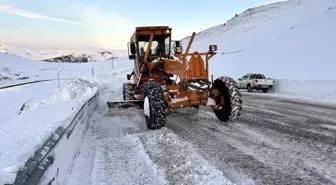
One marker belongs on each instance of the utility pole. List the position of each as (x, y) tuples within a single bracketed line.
[(58, 79), (112, 63)]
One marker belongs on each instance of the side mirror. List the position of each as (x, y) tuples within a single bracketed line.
[(132, 46), (212, 48), (130, 75), (131, 57), (177, 43)]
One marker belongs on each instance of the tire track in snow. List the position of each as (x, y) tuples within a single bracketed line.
[(278, 139), (181, 164), (300, 121), (308, 145), (109, 155), (231, 160), (119, 149)]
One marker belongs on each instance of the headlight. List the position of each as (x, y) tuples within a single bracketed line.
[(178, 49), (213, 48)]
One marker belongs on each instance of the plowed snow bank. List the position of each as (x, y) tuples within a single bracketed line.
[(77, 89), (305, 90), (22, 133)]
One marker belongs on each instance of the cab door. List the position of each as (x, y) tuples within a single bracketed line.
[(243, 82)]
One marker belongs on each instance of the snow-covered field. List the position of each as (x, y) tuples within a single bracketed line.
[(14, 67), (287, 41)]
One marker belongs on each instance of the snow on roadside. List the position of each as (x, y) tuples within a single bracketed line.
[(17, 99), (78, 89), (23, 133), (324, 90), (314, 91)]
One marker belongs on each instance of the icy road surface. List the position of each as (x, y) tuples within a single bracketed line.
[(274, 142)]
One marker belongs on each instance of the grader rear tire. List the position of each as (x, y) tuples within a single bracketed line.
[(155, 107), (233, 104)]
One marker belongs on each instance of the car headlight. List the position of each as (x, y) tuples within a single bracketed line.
[(178, 49)]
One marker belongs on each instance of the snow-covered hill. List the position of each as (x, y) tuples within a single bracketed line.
[(284, 40), (15, 69), (56, 55)]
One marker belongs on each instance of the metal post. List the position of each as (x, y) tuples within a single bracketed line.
[(112, 63), (211, 78), (58, 78)]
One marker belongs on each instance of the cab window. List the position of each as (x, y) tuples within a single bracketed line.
[(253, 76), (244, 77)]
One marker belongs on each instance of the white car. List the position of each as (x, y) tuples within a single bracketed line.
[(255, 81)]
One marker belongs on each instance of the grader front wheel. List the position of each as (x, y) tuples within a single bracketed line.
[(155, 108), (231, 110)]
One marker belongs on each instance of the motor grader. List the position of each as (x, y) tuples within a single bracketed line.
[(166, 78)]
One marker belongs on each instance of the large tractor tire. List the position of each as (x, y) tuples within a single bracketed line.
[(155, 107), (232, 108)]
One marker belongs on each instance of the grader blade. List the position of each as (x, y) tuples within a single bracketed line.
[(125, 104)]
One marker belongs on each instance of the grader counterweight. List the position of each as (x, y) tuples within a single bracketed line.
[(164, 79)]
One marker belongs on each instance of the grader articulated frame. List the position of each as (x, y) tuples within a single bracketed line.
[(166, 80)]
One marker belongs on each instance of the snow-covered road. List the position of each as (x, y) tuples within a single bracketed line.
[(274, 142), (118, 149)]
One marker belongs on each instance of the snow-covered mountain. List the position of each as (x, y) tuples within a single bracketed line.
[(72, 56), (2, 48), (287, 40), (83, 56)]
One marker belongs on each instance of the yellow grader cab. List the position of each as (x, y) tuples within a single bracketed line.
[(166, 79)]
